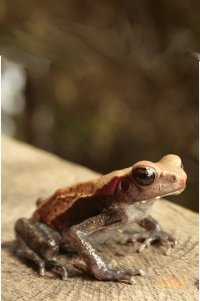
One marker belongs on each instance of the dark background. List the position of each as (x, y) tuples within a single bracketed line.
[(104, 83)]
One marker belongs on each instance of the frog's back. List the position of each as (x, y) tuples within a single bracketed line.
[(61, 201), (71, 205)]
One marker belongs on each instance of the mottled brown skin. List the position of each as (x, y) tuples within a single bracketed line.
[(79, 216)]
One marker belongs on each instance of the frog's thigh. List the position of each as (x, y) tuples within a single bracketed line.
[(39, 243), (38, 237)]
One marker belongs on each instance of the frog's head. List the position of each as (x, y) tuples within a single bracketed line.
[(147, 180)]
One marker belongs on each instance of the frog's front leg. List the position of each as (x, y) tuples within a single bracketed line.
[(79, 236), (153, 234), (39, 243)]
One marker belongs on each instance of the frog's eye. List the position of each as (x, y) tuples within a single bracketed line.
[(144, 176), (124, 185)]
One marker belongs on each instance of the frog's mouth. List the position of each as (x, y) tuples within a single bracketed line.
[(149, 201), (159, 197), (172, 193)]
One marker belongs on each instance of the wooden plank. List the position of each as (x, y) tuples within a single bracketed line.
[(28, 174)]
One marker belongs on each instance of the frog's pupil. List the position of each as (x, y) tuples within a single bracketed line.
[(144, 176)]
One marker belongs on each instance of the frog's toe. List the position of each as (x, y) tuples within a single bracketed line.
[(161, 237), (126, 275), (133, 237), (170, 242), (147, 238), (145, 244), (41, 269), (58, 267), (121, 275)]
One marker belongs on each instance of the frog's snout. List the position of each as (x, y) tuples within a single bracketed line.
[(184, 180), (172, 160)]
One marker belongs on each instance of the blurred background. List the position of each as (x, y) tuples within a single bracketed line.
[(103, 83)]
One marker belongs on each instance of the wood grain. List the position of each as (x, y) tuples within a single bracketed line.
[(27, 174)]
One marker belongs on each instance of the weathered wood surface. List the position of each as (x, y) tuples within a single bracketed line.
[(29, 173)]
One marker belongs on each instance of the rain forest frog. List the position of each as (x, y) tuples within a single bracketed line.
[(78, 216)]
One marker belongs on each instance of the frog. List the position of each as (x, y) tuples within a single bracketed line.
[(78, 217)]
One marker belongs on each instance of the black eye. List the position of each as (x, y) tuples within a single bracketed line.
[(124, 185), (144, 176)]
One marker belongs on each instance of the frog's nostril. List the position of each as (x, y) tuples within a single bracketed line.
[(181, 165)]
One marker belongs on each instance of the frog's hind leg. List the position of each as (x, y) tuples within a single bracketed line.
[(39, 243)]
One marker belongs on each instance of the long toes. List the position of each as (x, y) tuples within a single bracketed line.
[(148, 238), (64, 275), (58, 268), (170, 245), (119, 275), (146, 244), (168, 240), (124, 278), (134, 238), (172, 240), (41, 269), (61, 271), (127, 272), (134, 272), (127, 275), (175, 242)]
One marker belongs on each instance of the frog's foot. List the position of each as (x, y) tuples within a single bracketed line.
[(24, 251), (149, 237), (59, 268), (114, 274), (40, 244), (110, 273)]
